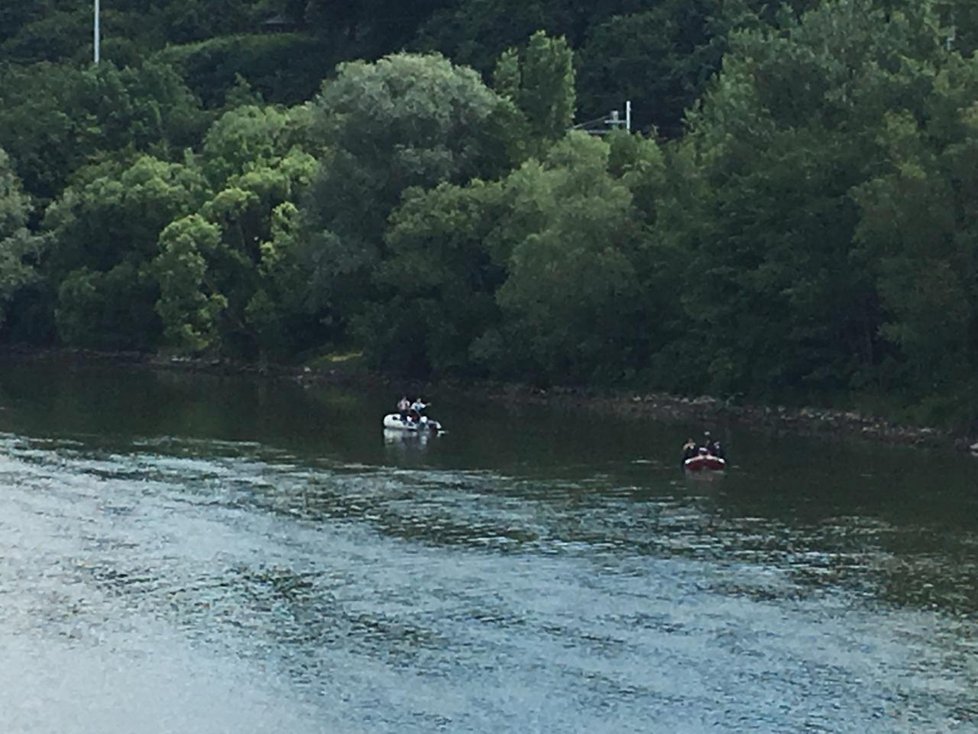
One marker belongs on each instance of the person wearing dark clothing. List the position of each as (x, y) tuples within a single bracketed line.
[(712, 446)]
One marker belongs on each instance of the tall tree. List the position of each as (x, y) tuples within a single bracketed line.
[(918, 234), (540, 80), (188, 306), (404, 121), (572, 286), (439, 282), (57, 119), (104, 231), (19, 250), (773, 299)]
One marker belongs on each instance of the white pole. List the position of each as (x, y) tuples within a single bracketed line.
[(97, 34), (628, 115)]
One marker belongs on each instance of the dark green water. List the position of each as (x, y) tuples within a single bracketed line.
[(185, 553)]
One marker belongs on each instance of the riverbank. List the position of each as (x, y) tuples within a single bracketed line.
[(347, 372)]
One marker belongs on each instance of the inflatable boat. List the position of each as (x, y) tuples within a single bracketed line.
[(394, 422), (704, 463)]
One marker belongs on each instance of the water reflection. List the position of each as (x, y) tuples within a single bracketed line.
[(406, 445)]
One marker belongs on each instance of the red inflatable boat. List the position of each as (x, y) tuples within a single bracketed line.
[(704, 463)]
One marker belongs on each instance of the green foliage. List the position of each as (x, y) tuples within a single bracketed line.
[(536, 274), (276, 313), (227, 274), (540, 81), (659, 59), (188, 306), (475, 32), (369, 29), (61, 30), (253, 266), (439, 281), (251, 137), (57, 119), (107, 310), (506, 77), (104, 231), (783, 138), (117, 213), (19, 250), (547, 86), (53, 35), (808, 230), (187, 21), (403, 121), (918, 230), (284, 68), (572, 286)]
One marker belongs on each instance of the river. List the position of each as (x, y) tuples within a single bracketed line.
[(193, 553)]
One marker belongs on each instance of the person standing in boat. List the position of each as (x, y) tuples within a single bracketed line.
[(403, 406), (689, 451)]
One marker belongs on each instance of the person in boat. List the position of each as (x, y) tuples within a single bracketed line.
[(689, 450), (712, 446), (417, 409), (403, 407)]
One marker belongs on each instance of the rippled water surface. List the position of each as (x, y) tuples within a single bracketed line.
[(183, 553)]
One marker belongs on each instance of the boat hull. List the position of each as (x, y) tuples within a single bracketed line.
[(704, 464), (394, 422)]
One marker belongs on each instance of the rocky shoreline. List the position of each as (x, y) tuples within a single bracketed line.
[(811, 421)]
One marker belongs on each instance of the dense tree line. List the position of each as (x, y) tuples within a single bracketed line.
[(794, 216)]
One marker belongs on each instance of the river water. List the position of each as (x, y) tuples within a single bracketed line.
[(187, 553)]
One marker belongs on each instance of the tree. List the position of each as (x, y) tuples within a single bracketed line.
[(541, 83), (774, 302), (252, 137), (255, 214), (283, 68), (439, 282), (571, 292), (917, 233), (114, 213), (368, 29), (104, 233), (19, 250), (231, 265), (403, 121), (188, 307), (475, 32), (57, 119), (660, 60)]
